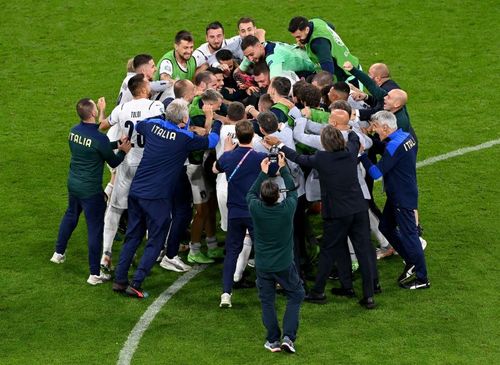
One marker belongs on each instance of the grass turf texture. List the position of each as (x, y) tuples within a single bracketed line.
[(445, 54)]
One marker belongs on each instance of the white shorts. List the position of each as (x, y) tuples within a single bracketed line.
[(124, 176), (221, 188), (199, 186)]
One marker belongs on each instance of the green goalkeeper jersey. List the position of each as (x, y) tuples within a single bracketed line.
[(283, 59)]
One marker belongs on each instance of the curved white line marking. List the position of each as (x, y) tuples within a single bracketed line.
[(142, 325)]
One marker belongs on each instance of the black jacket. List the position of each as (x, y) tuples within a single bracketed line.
[(341, 194)]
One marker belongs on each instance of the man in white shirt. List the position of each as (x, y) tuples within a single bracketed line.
[(125, 117)]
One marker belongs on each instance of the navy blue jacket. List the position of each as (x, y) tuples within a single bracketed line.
[(165, 151), (398, 166)]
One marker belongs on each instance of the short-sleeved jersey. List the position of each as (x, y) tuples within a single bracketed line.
[(168, 65), (203, 55), (125, 116), (125, 95)]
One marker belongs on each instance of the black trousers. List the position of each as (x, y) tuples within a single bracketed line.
[(335, 233)]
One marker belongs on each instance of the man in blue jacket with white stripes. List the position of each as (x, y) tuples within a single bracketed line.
[(167, 145), (398, 224)]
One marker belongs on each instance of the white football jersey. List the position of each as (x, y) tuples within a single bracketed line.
[(125, 95), (126, 117), (203, 55), (226, 129)]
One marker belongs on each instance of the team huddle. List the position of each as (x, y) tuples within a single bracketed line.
[(261, 132)]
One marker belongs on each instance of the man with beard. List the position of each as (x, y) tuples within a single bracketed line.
[(323, 45), (205, 54), (178, 64)]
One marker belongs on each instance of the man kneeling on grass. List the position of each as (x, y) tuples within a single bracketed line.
[(274, 254)]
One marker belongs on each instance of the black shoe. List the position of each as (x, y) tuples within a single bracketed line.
[(243, 284), (368, 303), (420, 230), (343, 292), (315, 298), (407, 273), (119, 287), (416, 284), (377, 289), (334, 274), (136, 292)]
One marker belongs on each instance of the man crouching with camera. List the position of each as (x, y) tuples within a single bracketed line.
[(273, 244)]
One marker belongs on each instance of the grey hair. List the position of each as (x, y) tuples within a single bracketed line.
[(385, 117), (177, 111)]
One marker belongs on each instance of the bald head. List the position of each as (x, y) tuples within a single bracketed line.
[(339, 118), (395, 100), (379, 72)]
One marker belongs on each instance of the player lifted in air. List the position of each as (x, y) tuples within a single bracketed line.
[(283, 59)]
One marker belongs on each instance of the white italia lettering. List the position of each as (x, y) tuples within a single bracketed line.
[(163, 133), (76, 138), (409, 144)]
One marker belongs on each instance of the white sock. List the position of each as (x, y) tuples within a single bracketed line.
[(374, 222), (194, 248), (111, 221), (243, 257), (211, 242)]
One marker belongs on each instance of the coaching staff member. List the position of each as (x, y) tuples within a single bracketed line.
[(398, 167), (89, 150), (151, 192), (274, 254)]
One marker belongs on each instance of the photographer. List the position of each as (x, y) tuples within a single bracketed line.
[(274, 253)]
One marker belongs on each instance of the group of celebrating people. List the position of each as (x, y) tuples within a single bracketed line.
[(260, 131)]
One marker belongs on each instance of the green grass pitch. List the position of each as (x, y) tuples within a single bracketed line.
[(443, 53)]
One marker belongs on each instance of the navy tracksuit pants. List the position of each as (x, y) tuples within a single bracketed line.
[(398, 225), (94, 208), (182, 213), (153, 215)]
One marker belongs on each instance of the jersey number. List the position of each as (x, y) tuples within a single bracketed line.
[(140, 138)]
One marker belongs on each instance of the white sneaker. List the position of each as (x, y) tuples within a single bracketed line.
[(225, 300), (95, 279), (174, 264), (160, 256), (423, 242), (57, 258), (251, 263)]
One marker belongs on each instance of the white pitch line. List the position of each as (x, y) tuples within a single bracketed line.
[(142, 325), (459, 152), (128, 350)]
